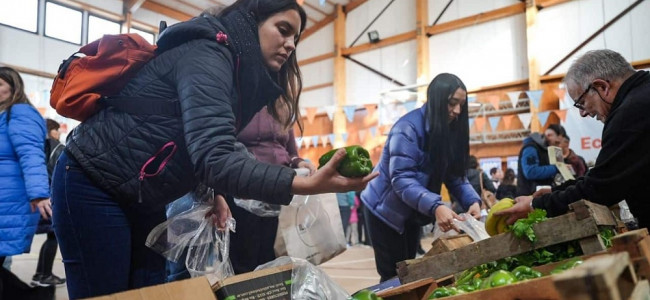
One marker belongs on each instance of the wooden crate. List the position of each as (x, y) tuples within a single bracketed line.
[(637, 244), (446, 244), (417, 290), (534, 289), (641, 291), (607, 277), (582, 224)]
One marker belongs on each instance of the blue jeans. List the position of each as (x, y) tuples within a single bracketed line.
[(178, 270), (102, 243)]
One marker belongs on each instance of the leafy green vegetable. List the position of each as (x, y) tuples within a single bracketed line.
[(524, 227), (606, 234)]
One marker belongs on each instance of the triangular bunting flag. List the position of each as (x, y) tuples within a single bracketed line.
[(535, 97), (321, 2), (471, 99), (323, 139), (307, 140), (345, 137), (507, 120), (299, 142), (471, 123), (525, 119), (561, 113), (370, 108), (494, 100), (373, 131), (480, 123), (349, 112), (409, 105), (560, 93), (494, 122), (311, 114), (330, 110), (332, 138), (543, 117), (314, 140), (514, 98), (362, 135)]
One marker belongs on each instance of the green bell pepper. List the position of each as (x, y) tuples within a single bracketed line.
[(567, 265), (472, 285), (498, 278), (524, 272), (365, 295), (445, 292), (356, 163)]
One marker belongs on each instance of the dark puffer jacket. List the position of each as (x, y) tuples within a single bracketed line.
[(204, 75)]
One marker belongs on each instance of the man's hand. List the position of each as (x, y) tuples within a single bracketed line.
[(220, 212), (445, 218), (519, 211), (541, 192), (475, 210), (44, 206)]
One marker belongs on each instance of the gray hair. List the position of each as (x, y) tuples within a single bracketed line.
[(604, 64)]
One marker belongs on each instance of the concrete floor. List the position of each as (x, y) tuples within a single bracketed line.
[(354, 269)]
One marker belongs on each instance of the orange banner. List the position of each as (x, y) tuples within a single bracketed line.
[(480, 123), (311, 114), (560, 93), (561, 113), (370, 108), (494, 100), (507, 120)]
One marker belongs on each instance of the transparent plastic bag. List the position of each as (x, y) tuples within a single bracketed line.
[(171, 237), (308, 282), (263, 209)]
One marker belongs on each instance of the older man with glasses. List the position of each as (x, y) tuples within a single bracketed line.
[(606, 87)]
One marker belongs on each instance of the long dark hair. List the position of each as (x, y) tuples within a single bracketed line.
[(447, 143), (18, 95), (509, 177), (289, 76)]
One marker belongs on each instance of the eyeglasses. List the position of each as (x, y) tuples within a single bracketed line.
[(580, 103)]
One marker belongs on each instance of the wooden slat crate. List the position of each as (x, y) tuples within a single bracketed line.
[(607, 277), (637, 244), (581, 224), (446, 244), (417, 290)]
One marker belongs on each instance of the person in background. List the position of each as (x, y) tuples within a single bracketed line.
[(120, 170), (534, 168), (473, 173), (425, 148), (23, 173), (508, 187), (496, 175), (353, 228), (363, 229), (273, 143), (346, 204), (576, 161), (43, 275), (606, 87)]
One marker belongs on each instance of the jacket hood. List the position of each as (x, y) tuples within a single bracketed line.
[(535, 138), (196, 28)]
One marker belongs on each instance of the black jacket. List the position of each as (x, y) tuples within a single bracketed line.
[(622, 169), (219, 85), (527, 186)]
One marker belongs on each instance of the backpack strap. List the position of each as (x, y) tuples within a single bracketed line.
[(144, 106)]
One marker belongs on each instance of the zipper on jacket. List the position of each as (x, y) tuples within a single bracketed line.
[(143, 174)]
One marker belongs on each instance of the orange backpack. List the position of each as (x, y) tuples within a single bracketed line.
[(108, 65)]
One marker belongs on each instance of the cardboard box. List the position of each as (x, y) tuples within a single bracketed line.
[(195, 289), (272, 283)]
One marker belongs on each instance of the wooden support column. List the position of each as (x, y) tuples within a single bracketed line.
[(422, 47), (339, 122), (534, 82)]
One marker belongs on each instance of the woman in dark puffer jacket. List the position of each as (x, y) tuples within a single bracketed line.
[(119, 169)]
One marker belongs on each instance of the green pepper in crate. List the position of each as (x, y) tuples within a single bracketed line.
[(355, 164), (365, 295), (472, 285), (442, 292), (498, 278), (567, 265), (524, 272)]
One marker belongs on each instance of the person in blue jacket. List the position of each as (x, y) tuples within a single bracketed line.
[(534, 168), (425, 148), (23, 174)]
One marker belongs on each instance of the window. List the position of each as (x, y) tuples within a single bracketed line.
[(63, 23), (146, 35), (20, 14), (97, 27)]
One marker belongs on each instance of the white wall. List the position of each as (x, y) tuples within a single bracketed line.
[(563, 27)]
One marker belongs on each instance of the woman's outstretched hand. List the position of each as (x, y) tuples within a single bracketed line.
[(328, 180), (220, 212)]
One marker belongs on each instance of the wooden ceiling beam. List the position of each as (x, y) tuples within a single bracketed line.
[(189, 5), (315, 8), (547, 3), (132, 5), (322, 23), (314, 59), (166, 10), (352, 5), (396, 39), (507, 11)]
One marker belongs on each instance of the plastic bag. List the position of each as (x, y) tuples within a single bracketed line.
[(263, 209), (308, 282), (207, 246)]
